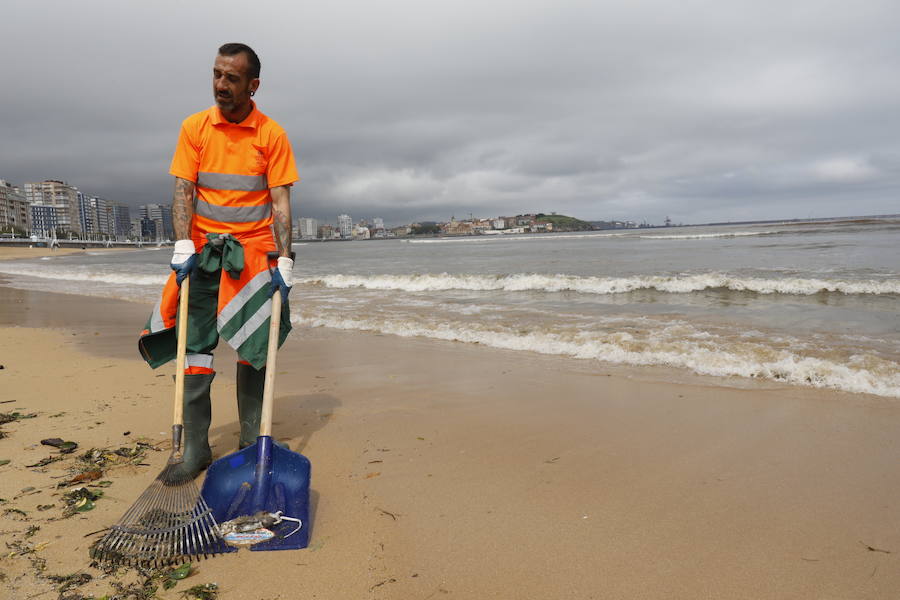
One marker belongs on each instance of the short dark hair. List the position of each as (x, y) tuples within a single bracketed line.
[(234, 48)]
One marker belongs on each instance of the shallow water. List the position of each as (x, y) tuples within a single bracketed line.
[(810, 304)]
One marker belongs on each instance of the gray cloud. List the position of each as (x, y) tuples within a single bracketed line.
[(699, 110)]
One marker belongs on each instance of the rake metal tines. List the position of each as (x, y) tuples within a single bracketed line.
[(169, 523)]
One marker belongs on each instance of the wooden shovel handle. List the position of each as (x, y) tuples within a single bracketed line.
[(181, 351), (265, 421)]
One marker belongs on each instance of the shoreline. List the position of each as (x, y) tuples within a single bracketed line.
[(449, 470), (24, 252), (737, 355)]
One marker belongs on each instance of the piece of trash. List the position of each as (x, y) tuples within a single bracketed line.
[(173, 576), (64, 583), (254, 529), (204, 591), (5, 461), (390, 514), (15, 416), (84, 505), (45, 461), (68, 448), (127, 433), (874, 549), (58, 443), (80, 500), (375, 474), (181, 572), (84, 477)]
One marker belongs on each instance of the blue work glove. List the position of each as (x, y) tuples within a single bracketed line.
[(183, 260), (283, 277)]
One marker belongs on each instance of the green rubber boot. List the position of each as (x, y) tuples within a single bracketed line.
[(197, 417), (250, 384)]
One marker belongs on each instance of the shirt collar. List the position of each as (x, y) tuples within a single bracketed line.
[(250, 122)]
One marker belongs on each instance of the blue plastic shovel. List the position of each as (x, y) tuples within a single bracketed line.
[(259, 496)]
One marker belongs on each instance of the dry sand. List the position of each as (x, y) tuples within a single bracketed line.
[(442, 470)]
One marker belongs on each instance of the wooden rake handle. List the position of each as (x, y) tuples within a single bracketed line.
[(181, 352)]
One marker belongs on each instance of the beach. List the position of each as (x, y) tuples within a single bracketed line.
[(451, 470)]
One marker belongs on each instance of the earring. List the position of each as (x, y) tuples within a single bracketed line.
[(252, 94)]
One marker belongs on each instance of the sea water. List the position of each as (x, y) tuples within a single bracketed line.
[(812, 304)]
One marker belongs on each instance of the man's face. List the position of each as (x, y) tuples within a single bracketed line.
[(231, 85)]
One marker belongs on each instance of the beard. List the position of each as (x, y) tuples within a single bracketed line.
[(226, 102)]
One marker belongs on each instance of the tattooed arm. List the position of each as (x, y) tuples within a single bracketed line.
[(183, 208), (281, 215)]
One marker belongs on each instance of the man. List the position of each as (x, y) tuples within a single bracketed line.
[(233, 169)]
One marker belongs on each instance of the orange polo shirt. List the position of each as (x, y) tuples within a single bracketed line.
[(233, 165)]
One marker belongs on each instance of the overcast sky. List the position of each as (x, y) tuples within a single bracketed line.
[(419, 110)]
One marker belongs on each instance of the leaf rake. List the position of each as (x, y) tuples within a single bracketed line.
[(170, 522)]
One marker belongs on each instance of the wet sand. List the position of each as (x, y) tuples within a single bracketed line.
[(17, 252), (442, 470)]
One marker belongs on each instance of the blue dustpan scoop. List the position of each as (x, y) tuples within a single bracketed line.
[(259, 496)]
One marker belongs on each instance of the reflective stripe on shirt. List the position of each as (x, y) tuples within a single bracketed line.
[(233, 214), (228, 181)]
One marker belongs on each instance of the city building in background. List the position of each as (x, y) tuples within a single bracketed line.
[(44, 220), (13, 210), (121, 220), (93, 214), (161, 216), (345, 226), (307, 228), (57, 206), (54, 209), (103, 219), (134, 228), (328, 232)]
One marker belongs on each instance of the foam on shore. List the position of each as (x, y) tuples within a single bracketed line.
[(677, 345), (677, 284)]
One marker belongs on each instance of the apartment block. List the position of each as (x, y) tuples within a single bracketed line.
[(120, 220), (13, 208), (62, 198), (345, 225), (308, 228), (161, 215)]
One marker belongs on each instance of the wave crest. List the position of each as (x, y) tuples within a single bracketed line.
[(676, 284)]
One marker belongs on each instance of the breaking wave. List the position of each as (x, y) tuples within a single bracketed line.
[(516, 237), (676, 284), (663, 348), (83, 274), (703, 236)]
